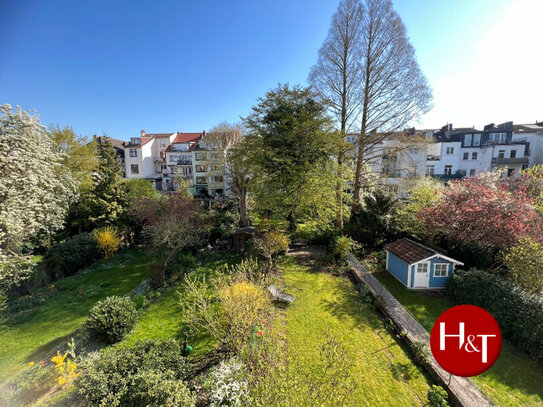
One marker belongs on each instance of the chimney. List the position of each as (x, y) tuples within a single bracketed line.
[(94, 136), (143, 133)]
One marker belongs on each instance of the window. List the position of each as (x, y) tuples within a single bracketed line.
[(474, 155), (217, 178), (450, 150), (422, 268), (497, 138), (200, 180), (174, 158), (472, 172), (441, 270), (163, 143), (510, 172), (135, 140), (467, 140), (200, 156), (133, 152), (200, 168), (448, 170), (501, 154), (430, 169), (216, 168), (466, 156), (476, 140), (134, 169), (513, 153)]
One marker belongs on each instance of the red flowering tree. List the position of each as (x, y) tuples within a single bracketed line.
[(171, 223), (485, 211)]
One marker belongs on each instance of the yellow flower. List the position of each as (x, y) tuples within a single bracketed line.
[(31, 364)]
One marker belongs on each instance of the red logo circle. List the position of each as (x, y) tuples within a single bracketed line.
[(466, 340)]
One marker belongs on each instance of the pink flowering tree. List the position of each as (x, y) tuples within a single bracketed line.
[(485, 211)]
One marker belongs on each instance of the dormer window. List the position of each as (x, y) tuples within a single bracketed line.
[(135, 140), (476, 140), (467, 140)]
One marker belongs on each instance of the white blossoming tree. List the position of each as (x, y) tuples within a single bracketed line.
[(35, 188)]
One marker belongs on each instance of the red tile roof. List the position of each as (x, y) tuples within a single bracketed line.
[(187, 137), (410, 251), (159, 135)]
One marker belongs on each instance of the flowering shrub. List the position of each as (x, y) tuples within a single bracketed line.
[(108, 241), (228, 385), (67, 371), (110, 320), (484, 211)]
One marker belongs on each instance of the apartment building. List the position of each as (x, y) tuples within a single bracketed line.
[(164, 158), (453, 153)]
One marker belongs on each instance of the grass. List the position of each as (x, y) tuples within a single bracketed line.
[(383, 371), (32, 334), (163, 319), (513, 381)]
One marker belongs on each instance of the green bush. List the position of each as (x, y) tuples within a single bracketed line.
[(182, 262), (149, 374), (139, 301), (111, 319), (437, 396), (340, 247), (519, 314), (420, 352), (72, 255)]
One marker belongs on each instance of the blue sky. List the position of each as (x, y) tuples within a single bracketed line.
[(121, 66)]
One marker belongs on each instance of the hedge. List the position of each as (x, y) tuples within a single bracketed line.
[(519, 314), (72, 255)]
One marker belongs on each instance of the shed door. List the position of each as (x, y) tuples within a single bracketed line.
[(422, 275)]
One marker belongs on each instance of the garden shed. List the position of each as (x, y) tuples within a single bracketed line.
[(417, 266), (241, 236)]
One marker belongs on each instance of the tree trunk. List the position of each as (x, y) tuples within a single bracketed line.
[(340, 191), (242, 205)]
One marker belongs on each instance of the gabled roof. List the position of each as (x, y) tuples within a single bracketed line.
[(412, 252)]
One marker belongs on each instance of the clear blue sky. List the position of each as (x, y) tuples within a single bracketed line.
[(117, 67)]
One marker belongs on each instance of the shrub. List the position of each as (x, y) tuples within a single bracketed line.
[(70, 256), (525, 264), (437, 396), (139, 301), (270, 244), (420, 352), (243, 304), (110, 320), (519, 314), (157, 274), (340, 247), (182, 262), (228, 385), (149, 374), (108, 241)]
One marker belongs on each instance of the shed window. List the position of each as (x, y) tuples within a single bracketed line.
[(441, 270), (422, 268)]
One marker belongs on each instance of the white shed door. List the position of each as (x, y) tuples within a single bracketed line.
[(422, 275)]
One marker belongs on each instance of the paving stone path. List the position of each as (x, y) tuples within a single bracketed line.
[(461, 389)]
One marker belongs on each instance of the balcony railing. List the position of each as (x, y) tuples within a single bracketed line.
[(505, 161), (184, 162)]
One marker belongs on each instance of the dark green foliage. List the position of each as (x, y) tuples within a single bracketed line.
[(437, 396), (340, 247), (373, 224), (181, 262), (519, 314), (111, 319), (139, 301), (157, 273), (72, 255), (149, 374), (420, 352), (470, 254)]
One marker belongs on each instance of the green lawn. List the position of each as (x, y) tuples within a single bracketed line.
[(384, 373), (31, 335), (163, 318), (513, 381)]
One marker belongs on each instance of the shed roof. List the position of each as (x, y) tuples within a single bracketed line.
[(413, 252), (409, 251)]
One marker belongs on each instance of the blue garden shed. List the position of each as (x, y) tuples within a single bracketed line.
[(417, 266)]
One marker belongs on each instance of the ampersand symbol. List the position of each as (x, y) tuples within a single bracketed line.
[(472, 346)]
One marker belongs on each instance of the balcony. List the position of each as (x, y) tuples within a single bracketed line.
[(184, 162), (447, 177), (509, 161), (433, 158)]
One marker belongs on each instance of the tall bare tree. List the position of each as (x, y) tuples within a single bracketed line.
[(337, 78), (394, 90)]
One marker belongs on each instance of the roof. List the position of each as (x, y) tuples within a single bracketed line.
[(118, 144), (251, 230), (528, 128), (159, 135), (187, 137), (413, 252)]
